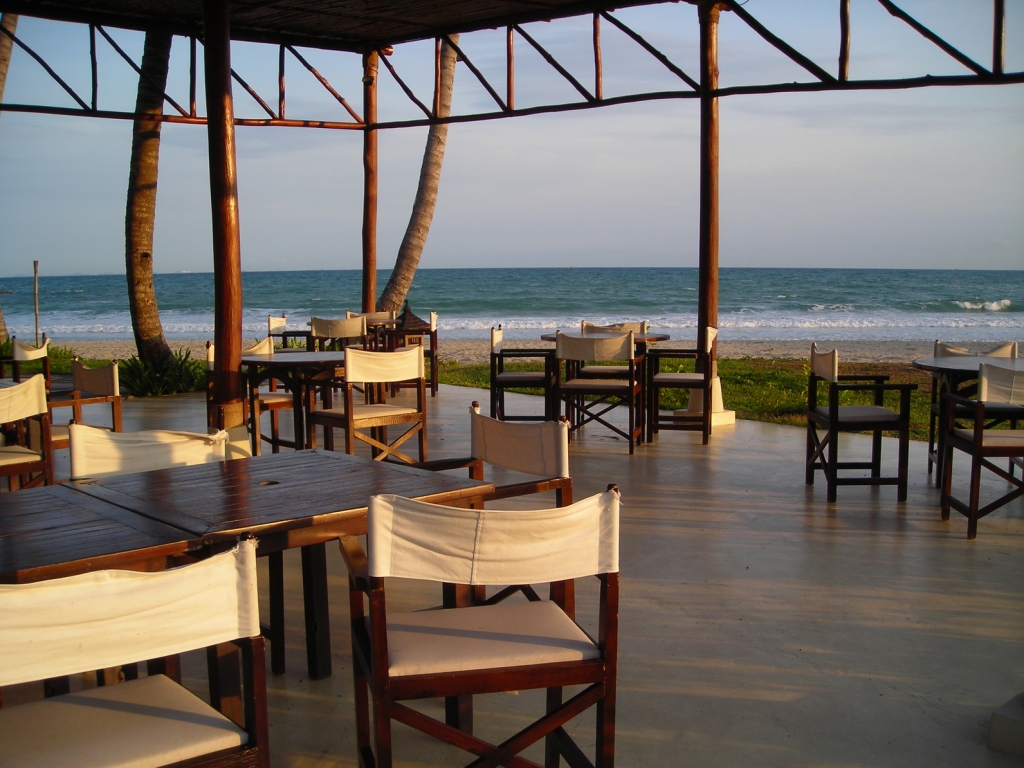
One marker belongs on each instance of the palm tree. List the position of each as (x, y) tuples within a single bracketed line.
[(8, 21), (141, 209), (415, 238)]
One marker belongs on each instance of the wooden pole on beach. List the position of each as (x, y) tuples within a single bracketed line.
[(228, 395), (35, 295), (370, 63), (707, 297)]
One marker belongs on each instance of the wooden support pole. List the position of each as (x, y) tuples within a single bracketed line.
[(370, 64), (435, 107), (998, 36), (844, 40), (227, 399), (94, 67), (192, 76), (707, 298), (598, 67), (35, 295), (510, 68), (280, 82)]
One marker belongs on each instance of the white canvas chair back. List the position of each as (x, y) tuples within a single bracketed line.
[(1007, 350), (23, 352), (108, 618), (947, 350), (416, 540), (95, 382), (497, 340), (275, 323), (615, 348), (98, 452), (351, 328), (709, 338), (588, 327), (1000, 385), (23, 400), (540, 448), (383, 367), (265, 347), (825, 364), (373, 317), (433, 321)]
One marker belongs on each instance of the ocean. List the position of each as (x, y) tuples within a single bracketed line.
[(754, 304)]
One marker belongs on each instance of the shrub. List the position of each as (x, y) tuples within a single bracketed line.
[(178, 373)]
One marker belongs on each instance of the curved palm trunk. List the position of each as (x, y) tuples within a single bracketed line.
[(8, 21), (141, 208), (426, 195)]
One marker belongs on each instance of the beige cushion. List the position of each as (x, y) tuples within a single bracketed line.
[(147, 722), (276, 398), (596, 383), (995, 438), (514, 377), (362, 411), (609, 369), (60, 432), (852, 414), (484, 637), (16, 454), (679, 379)]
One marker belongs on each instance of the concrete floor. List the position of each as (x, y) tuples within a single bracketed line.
[(759, 625)]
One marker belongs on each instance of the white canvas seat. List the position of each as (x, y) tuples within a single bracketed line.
[(502, 379), (373, 371), (29, 461), (111, 618), (835, 418), (608, 392), (99, 453), (999, 387), (494, 646)]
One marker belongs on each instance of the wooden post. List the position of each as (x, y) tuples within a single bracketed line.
[(35, 295), (370, 62), (844, 40), (998, 36), (598, 67), (510, 69), (707, 297), (227, 251)]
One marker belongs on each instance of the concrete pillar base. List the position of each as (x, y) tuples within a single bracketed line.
[(1006, 730), (719, 416)]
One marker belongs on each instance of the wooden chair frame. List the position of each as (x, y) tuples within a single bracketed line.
[(74, 399), (980, 455), (258, 406), (581, 412), (370, 670), (380, 448), (656, 420), (833, 424), (16, 364), (25, 432), (500, 380)]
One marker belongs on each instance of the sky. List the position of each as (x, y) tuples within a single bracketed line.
[(928, 178)]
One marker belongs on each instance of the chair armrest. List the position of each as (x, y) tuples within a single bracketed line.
[(960, 400), (674, 353), (82, 401), (876, 387), (440, 465), (355, 561), (852, 377)]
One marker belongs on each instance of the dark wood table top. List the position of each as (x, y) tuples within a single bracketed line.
[(57, 531), (639, 338), (966, 363), (275, 493)]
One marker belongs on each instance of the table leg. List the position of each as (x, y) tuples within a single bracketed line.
[(318, 628), (276, 563), (298, 413)]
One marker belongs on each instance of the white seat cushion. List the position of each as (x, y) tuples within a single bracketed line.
[(596, 384), (276, 399), (17, 454), (995, 438), (152, 721), (484, 637), (680, 380), (363, 411), (853, 414)]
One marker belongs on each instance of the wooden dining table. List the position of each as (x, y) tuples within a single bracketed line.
[(149, 520)]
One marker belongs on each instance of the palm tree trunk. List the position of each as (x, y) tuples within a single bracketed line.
[(8, 21), (426, 194), (141, 209)]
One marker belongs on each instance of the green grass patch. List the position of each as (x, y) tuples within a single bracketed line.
[(759, 389)]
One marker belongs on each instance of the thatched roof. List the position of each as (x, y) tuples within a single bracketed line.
[(351, 25)]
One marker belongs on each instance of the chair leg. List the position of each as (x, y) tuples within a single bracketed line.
[(972, 518), (809, 468), (275, 432), (632, 424), (902, 471), (382, 730), (832, 473), (933, 419), (605, 747), (551, 753), (876, 453), (276, 563), (946, 471)]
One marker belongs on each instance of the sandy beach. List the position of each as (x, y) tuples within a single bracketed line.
[(468, 351)]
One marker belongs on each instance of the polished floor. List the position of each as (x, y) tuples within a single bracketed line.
[(759, 625)]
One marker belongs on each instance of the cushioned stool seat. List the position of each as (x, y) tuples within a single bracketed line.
[(484, 637), (851, 414), (147, 722)]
